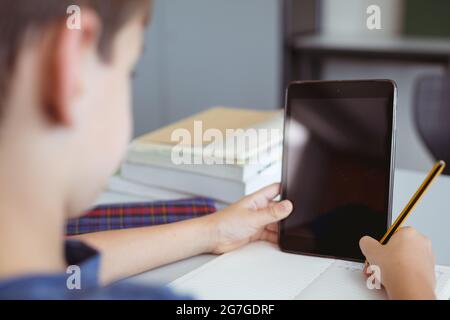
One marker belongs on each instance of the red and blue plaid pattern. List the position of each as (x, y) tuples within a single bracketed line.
[(133, 215)]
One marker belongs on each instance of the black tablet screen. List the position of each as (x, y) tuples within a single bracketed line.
[(337, 173)]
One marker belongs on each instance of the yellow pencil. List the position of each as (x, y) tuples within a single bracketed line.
[(432, 175)]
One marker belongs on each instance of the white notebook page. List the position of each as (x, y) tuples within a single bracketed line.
[(343, 280), (257, 271), (442, 282), (261, 271)]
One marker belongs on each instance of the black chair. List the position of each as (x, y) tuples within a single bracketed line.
[(432, 115)]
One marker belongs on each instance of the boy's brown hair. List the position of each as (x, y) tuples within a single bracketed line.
[(19, 17)]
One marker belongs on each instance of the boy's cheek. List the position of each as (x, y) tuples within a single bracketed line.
[(109, 118), (123, 112), (119, 126)]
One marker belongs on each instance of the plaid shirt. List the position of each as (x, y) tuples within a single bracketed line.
[(123, 216)]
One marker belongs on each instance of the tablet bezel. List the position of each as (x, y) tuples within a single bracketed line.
[(345, 89)]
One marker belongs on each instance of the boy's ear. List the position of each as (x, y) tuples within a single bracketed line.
[(67, 59)]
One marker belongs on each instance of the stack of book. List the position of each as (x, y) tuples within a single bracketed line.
[(221, 153)]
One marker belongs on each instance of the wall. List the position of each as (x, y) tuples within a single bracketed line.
[(202, 53)]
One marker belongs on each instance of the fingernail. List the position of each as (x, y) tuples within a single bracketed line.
[(286, 206)]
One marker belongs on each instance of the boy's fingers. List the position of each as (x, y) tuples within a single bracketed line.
[(269, 236), (365, 271), (274, 212), (269, 192), (272, 227), (261, 198), (369, 247)]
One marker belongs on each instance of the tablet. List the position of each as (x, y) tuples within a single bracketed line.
[(338, 164)]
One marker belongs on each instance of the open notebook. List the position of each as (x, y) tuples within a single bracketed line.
[(261, 271)]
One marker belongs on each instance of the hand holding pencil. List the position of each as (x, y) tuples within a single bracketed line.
[(407, 261)]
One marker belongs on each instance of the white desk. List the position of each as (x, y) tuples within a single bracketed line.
[(431, 217)]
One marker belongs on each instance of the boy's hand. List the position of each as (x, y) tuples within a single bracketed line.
[(406, 263), (252, 218)]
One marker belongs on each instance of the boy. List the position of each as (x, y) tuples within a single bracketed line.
[(64, 127)]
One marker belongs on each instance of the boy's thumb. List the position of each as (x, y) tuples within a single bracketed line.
[(369, 246), (275, 211)]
